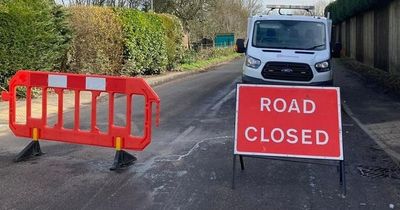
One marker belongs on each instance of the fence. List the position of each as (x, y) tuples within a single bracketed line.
[(373, 37), (115, 136)]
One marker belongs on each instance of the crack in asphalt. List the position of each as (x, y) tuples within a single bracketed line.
[(197, 145)]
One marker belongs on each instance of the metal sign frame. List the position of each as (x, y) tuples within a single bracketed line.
[(290, 158)]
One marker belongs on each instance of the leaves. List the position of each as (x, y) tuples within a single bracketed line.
[(343, 9), (32, 37), (97, 44), (145, 42)]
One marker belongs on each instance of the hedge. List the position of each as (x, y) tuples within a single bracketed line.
[(97, 44), (145, 43), (32, 36), (101, 40), (174, 39), (343, 9)]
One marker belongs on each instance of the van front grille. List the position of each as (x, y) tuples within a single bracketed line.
[(287, 71)]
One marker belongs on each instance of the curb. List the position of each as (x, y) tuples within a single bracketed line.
[(393, 154)]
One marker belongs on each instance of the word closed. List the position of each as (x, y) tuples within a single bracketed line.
[(288, 121)]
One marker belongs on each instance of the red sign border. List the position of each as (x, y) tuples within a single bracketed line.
[(341, 157)]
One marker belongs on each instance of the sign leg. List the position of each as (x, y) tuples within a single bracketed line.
[(241, 162), (233, 172), (343, 177)]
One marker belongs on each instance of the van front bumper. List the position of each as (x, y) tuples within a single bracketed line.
[(252, 80)]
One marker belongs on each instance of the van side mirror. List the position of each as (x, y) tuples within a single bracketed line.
[(337, 48), (240, 47)]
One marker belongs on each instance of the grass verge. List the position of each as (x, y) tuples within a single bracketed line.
[(203, 64)]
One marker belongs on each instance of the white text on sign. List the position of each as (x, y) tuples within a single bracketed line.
[(291, 136), (281, 105)]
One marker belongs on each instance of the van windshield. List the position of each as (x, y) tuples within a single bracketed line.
[(289, 34)]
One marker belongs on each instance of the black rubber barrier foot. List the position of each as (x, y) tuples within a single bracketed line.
[(122, 160), (32, 150)]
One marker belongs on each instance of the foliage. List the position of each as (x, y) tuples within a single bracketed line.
[(97, 44), (145, 44), (192, 56), (207, 58), (33, 36), (110, 3), (225, 16), (343, 9), (174, 39), (204, 18)]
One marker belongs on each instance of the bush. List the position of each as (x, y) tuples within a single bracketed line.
[(32, 36), (97, 44), (174, 39), (145, 43), (343, 9)]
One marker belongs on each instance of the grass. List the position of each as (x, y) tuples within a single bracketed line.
[(203, 64)]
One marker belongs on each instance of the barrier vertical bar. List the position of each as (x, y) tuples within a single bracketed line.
[(28, 105), (129, 113), (35, 134), (111, 112), (60, 118), (77, 110), (93, 110), (44, 106)]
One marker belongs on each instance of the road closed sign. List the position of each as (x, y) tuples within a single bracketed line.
[(288, 121)]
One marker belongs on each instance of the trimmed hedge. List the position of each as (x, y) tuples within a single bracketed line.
[(101, 40), (97, 44), (145, 43), (343, 9), (32, 36), (174, 39)]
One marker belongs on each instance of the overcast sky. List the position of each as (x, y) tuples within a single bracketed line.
[(291, 2)]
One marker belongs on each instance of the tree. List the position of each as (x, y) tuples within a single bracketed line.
[(183, 9), (33, 35), (253, 7), (320, 7)]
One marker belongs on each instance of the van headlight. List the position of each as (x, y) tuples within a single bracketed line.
[(252, 62), (323, 66)]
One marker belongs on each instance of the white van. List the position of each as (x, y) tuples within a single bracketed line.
[(287, 50)]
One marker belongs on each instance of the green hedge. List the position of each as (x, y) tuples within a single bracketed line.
[(97, 44), (145, 43), (174, 39), (38, 34), (343, 9), (32, 36)]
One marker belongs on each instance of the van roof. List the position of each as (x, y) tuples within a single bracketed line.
[(290, 17)]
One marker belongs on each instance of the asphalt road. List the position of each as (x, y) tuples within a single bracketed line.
[(189, 164)]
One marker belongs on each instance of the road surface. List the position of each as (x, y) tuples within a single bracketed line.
[(189, 164)]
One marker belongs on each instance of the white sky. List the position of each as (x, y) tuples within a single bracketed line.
[(291, 2)]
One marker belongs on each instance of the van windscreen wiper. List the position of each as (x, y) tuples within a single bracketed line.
[(314, 47)]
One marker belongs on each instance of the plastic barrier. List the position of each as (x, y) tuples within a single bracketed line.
[(118, 137)]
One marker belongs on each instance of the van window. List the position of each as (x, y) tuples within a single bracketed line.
[(289, 34)]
